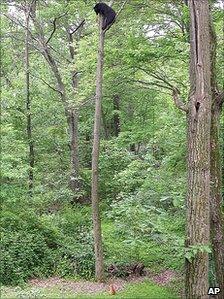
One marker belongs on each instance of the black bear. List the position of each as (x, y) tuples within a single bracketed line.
[(107, 12)]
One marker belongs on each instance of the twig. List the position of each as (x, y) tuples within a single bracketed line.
[(53, 31), (18, 23), (122, 7), (45, 82)]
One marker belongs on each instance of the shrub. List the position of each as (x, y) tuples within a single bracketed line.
[(23, 255), (39, 246)]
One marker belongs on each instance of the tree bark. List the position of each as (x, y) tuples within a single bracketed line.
[(99, 264), (28, 101), (217, 222), (117, 125), (75, 184), (75, 181), (199, 125)]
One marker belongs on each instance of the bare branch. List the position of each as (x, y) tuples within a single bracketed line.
[(122, 7), (77, 28), (86, 102), (55, 27), (53, 31), (59, 54), (45, 82), (18, 23), (151, 84)]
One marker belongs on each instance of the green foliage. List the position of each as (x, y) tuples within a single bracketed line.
[(156, 251), (26, 247), (142, 170), (193, 250), (41, 246)]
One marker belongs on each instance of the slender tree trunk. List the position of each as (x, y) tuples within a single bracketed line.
[(217, 221), (117, 125), (28, 103), (74, 179), (199, 125), (75, 182), (99, 264)]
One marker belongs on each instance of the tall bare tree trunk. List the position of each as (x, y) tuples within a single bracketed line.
[(28, 102), (217, 222), (99, 264), (199, 125), (75, 182), (74, 178)]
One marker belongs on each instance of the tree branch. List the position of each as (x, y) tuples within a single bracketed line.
[(45, 82), (221, 98), (18, 23), (53, 31), (175, 91), (122, 7), (151, 84), (120, 10), (54, 26), (77, 28), (178, 102)]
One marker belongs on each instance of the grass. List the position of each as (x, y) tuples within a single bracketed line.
[(146, 290)]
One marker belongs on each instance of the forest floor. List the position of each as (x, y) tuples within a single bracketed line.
[(154, 287)]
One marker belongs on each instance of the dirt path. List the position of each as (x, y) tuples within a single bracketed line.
[(83, 287), (88, 287)]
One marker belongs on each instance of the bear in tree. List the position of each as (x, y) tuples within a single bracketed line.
[(107, 12)]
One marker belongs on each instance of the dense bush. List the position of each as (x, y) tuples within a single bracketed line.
[(40, 246), (23, 255)]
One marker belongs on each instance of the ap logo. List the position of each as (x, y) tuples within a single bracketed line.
[(213, 291)]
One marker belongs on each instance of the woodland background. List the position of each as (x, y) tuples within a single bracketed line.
[(46, 184)]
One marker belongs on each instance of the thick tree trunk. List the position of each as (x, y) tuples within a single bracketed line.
[(199, 125), (217, 222), (28, 104), (99, 264)]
